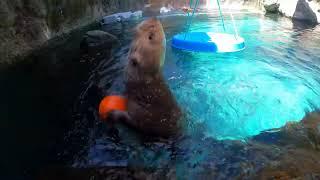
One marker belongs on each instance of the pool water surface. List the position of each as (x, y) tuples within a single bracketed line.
[(231, 96), (50, 102), (238, 95)]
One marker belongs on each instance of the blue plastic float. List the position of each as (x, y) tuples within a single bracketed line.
[(208, 41)]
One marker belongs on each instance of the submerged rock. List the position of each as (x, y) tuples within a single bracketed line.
[(285, 153), (307, 131)]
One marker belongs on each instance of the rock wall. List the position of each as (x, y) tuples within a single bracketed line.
[(27, 24)]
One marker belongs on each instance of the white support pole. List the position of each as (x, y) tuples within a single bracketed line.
[(234, 26)]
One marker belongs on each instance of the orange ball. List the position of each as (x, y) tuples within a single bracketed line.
[(110, 103)]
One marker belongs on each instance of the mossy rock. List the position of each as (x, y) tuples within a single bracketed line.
[(36, 8), (7, 16)]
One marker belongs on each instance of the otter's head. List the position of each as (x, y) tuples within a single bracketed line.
[(147, 51)]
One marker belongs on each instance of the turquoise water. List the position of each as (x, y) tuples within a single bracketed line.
[(225, 96), (238, 95)]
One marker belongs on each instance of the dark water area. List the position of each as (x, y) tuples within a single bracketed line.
[(38, 96), (45, 100), (49, 120)]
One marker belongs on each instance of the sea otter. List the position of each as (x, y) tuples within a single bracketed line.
[(152, 109)]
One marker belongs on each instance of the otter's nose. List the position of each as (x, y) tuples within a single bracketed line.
[(133, 62)]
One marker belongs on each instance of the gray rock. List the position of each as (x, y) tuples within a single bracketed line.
[(36, 8), (96, 39), (271, 6), (7, 15), (20, 20), (304, 12), (118, 17)]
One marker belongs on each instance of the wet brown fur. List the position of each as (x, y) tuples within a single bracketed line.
[(152, 108)]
